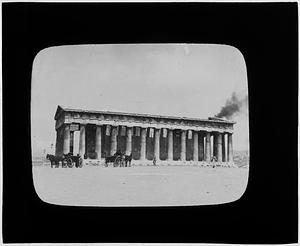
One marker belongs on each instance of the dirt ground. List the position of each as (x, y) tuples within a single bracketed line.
[(139, 185)]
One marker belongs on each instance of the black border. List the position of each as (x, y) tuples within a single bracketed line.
[(267, 36)]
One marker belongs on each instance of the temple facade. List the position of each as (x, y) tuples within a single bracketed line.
[(102, 133)]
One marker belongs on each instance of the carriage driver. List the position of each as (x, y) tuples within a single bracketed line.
[(118, 152)]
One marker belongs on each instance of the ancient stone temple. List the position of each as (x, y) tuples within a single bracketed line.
[(102, 133)]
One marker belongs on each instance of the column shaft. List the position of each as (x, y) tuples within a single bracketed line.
[(156, 144), (195, 152), (56, 143), (143, 144), (170, 145), (204, 145), (71, 142), (219, 147), (229, 148), (66, 139), (215, 145), (113, 143), (183, 146), (82, 141), (129, 141), (207, 147), (223, 148), (98, 142), (201, 147)]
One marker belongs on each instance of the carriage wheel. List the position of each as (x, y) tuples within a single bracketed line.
[(117, 161), (70, 162), (64, 163), (122, 162)]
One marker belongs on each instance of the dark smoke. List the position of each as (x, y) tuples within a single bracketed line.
[(234, 105)]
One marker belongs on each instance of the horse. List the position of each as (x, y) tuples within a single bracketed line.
[(128, 159), (54, 160), (109, 159)]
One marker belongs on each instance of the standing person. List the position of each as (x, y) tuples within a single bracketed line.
[(154, 160), (213, 161), (118, 152)]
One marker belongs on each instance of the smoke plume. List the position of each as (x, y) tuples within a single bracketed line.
[(236, 104)]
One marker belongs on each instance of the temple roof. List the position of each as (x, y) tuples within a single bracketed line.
[(61, 109)]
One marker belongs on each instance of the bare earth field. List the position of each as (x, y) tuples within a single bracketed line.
[(139, 185)]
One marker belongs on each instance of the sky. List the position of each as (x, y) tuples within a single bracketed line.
[(191, 80)]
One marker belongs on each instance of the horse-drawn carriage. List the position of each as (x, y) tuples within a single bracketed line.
[(66, 160), (119, 160)]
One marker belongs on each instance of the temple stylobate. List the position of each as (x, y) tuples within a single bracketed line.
[(167, 138)]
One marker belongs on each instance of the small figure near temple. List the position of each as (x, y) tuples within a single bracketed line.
[(213, 160), (154, 160)]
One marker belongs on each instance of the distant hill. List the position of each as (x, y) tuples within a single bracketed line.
[(38, 160), (241, 158)]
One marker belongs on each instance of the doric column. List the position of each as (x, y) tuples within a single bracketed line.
[(56, 142), (215, 144), (223, 148), (207, 147), (66, 148), (229, 148), (195, 152), (219, 147), (98, 142), (170, 145), (113, 143), (183, 145), (201, 147), (82, 141), (143, 144), (156, 144), (128, 141), (71, 142)]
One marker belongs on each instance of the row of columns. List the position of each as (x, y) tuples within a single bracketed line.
[(219, 150)]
